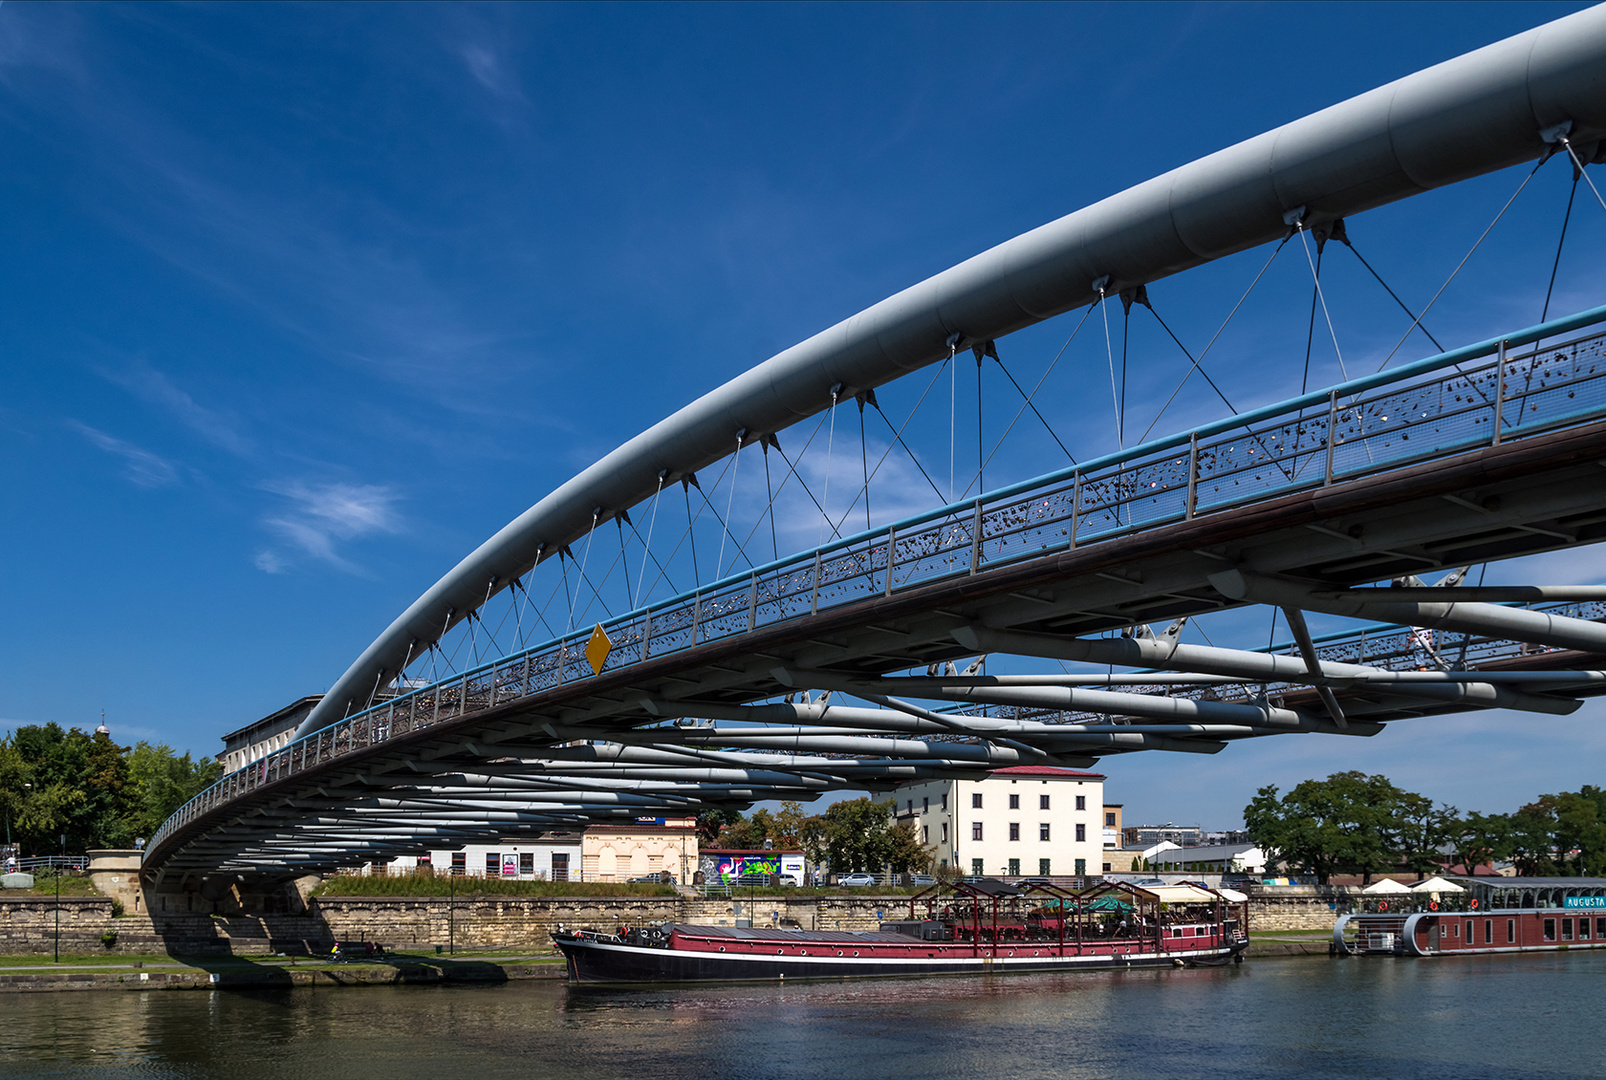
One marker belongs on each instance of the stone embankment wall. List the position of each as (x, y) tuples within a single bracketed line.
[(1299, 907), (29, 925)]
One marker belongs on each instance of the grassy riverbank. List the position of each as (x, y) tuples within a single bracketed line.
[(467, 887)]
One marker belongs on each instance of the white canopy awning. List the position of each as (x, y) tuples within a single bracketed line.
[(1179, 894), (1385, 887), (1436, 885)]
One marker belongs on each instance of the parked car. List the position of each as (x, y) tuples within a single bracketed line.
[(920, 879), (855, 880), (662, 877)]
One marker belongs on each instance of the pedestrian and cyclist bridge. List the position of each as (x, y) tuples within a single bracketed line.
[(591, 662)]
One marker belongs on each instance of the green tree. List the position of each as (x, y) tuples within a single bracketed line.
[(711, 822), (1421, 831), (905, 853), (862, 834), (1533, 838), (56, 782), (1479, 838), (160, 781), (1349, 822)]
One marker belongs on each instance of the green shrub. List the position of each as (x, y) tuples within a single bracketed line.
[(109, 938)]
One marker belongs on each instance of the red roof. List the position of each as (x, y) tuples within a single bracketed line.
[(1046, 770)]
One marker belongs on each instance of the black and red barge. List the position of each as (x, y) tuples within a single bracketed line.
[(970, 927)]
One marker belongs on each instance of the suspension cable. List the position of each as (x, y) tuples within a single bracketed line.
[(1342, 237), (646, 547), (1310, 329), (1327, 315), (730, 501), (1400, 344), (1197, 364), (825, 493), (1109, 355), (1556, 265), (769, 502)]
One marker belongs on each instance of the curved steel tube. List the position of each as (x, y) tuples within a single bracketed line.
[(1471, 115)]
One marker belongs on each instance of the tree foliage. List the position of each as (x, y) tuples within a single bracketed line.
[(57, 783), (854, 834), (1354, 823)]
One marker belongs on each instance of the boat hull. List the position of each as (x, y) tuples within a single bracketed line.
[(599, 960)]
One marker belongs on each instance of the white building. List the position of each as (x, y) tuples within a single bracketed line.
[(1028, 820), (1220, 858), (262, 737), (550, 857)]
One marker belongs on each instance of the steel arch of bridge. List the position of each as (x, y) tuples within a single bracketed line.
[(1292, 505)]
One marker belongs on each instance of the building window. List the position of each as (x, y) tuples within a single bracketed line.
[(975, 801), (911, 806), (526, 862), (1550, 929), (493, 863), (1014, 830), (1081, 802), (1600, 929), (1488, 931), (925, 834), (459, 863), (976, 869), (945, 832), (1014, 802), (1042, 867), (1081, 867), (1106, 868), (1042, 831), (925, 804), (1583, 929), (975, 830), (1014, 868), (1081, 832), (1109, 820), (1042, 802), (945, 800), (1566, 929), (1511, 931)]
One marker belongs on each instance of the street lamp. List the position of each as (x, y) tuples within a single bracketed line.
[(58, 899)]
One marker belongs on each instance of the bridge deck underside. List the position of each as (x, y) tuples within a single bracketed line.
[(1539, 494)]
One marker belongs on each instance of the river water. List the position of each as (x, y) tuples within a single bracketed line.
[(1510, 1017)]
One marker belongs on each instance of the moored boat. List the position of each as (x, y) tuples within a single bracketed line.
[(1485, 915), (973, 927)]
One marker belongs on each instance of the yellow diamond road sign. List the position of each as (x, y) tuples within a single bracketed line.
[(597, 649)]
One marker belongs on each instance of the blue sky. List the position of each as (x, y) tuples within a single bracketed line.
[(303, 302)]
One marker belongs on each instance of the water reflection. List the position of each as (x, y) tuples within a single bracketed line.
[(1524, 1017)]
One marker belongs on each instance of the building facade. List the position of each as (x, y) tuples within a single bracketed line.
[(553, 856), (640, 847), (1030, 820), (262, 737)]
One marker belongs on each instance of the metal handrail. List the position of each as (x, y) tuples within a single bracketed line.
[(1336, 435)]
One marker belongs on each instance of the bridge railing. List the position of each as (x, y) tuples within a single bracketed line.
[(1483, 394)]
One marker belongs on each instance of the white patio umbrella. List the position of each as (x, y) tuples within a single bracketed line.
[(1436, 885), (1385, 887)]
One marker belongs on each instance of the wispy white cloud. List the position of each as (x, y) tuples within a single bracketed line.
[(142, 467), (148, 384), (322, 516), (487, 68)]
